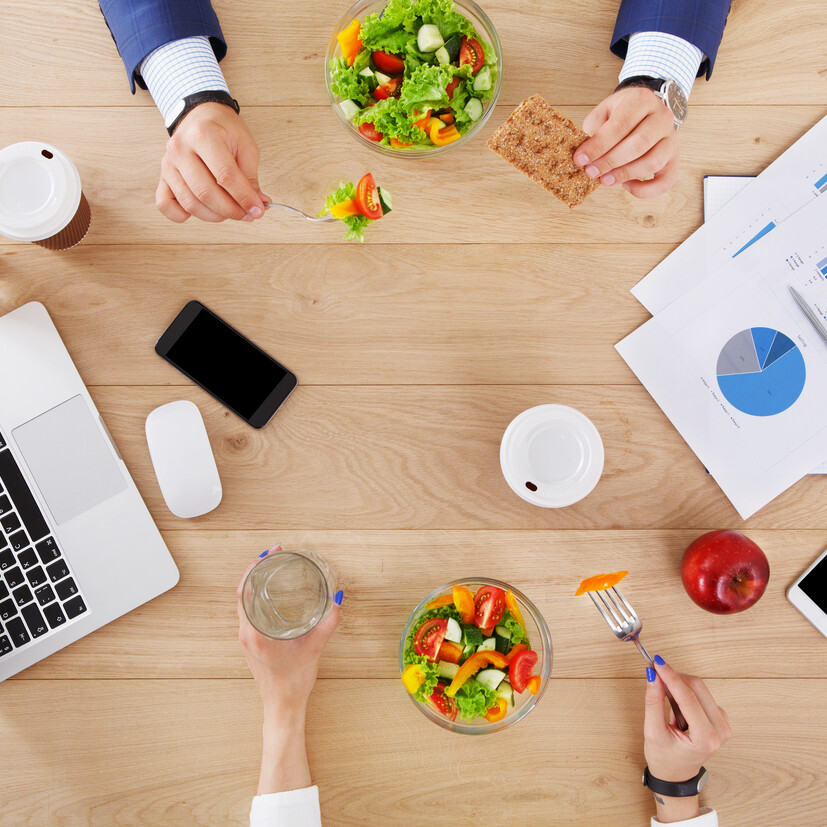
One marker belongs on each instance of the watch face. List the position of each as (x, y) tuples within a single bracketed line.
[(702, 780), (676, 100)]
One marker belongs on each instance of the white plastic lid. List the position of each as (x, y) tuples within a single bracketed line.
[(39, 191), (551, 455)]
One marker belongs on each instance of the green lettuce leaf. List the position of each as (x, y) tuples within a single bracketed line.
[(444, 15), (355, 223), (393, 120), (346, 82), (426, 84), (474, 700), (385, 32), (518, 633)]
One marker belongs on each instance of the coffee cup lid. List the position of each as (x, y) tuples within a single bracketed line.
[(551, 455), (39, 191)]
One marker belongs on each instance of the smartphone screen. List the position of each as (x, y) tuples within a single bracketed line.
[(814, 584), (227, 365)]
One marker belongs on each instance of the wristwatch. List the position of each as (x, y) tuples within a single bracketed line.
[(669, 91), (676, 789), (188, 103)]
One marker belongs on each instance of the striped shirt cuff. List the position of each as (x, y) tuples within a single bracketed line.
[(661, 55), (181, 68)]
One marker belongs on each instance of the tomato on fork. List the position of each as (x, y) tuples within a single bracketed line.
[(367, 199)]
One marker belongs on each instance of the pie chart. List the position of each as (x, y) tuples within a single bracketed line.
[(761, 372)]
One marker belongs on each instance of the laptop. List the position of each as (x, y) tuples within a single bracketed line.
[(78, 547)]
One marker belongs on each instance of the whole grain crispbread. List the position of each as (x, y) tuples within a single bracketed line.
[(539, 141)]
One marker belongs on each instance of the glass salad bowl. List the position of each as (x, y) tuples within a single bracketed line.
[(520, 703), (486, 32)]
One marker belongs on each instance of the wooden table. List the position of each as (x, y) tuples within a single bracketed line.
[(478, 297)]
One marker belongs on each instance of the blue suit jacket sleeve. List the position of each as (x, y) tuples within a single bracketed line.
[(700, 22), (140, 26)]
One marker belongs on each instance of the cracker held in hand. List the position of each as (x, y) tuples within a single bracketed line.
[(539, 141)]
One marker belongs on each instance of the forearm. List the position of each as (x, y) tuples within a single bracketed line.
[(284, 755), (670, 810)]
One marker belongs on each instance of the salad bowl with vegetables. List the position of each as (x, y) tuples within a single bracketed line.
[(414, 77), (475, 656)]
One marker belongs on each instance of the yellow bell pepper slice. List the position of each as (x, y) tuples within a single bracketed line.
[(349, 41), (441, 137), (600, 582), (413, 677), (475, 662), (497, 713), (513, 607), (344, 209)]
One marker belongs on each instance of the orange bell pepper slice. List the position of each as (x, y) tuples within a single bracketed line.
[(475, 662), (344, 209), (515, 650), (441, 137), (600, 582), (514, 608), (449, 651), (464, 601), (497, 713), (442, 600), (413, 677), (422, 123), (398, 144), (349, 41), (533, 684)]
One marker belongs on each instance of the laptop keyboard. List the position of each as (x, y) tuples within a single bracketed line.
[(38, 592)]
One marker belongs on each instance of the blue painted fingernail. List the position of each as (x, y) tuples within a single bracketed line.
[(651, 675), (659, 660), (338, 597), (264, 553)]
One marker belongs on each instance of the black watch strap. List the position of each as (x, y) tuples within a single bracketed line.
[(675, 789), (654, 84), (207, 96)]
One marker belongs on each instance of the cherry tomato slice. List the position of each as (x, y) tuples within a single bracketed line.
[(471, 52), (367, 200), (388, 90), (370, 132), (449, 651), (429, 637), (489, 607), (520, 669), (388, 63), (451, 87), (447, 706)]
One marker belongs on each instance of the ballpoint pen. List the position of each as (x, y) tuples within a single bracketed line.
[(817, 323)]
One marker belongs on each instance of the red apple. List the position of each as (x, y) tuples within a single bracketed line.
[(724, 572)]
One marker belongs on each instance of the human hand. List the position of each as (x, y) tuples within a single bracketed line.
[(633, 138), (284, 670), (210, 168), (672, 755)]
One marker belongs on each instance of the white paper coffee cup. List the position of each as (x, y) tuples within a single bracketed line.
[(41, 200), (551, 455)]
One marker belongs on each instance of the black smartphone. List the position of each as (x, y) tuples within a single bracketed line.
[(227, 365)]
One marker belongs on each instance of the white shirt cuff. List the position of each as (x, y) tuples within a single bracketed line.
[(707, 818), (661, 55), (181, 68), (294, 808)]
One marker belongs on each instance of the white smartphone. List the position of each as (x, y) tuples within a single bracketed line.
[(809, 594)]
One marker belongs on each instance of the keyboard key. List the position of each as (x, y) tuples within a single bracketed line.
[(4, 590), (22, 596), (36, 576), (47, 550), (5, 646), (10, 522), (57, 570), (66, 589), (7, 559), (74, 607), (21, 496), (27, 558), (55, 615), (17, 632), (7, 609), (34, 620), (14, 577), (5, 505), (44, 594), (19, 540)]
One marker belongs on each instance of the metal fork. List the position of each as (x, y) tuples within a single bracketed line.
[(625, 623), (304, 215)]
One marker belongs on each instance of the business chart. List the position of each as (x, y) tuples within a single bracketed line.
[(761, 372)]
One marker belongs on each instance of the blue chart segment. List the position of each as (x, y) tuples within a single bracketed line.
[(761, 372), (757, 237), (822, 266)]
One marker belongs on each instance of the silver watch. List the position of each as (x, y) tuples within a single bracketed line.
[(669, 91)]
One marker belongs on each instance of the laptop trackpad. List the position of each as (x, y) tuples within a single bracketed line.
[(70, 459)]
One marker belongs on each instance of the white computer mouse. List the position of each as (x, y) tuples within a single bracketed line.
[(182, 459)]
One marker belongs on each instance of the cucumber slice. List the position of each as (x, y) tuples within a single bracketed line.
[(490, 678), (502, 631), (453, 46), (447, 670), (428, 38), (468, 650), (349, 108), (473, 636), (381, 77), (503, 644), (482, 80), (441, 56), (453, 632), (385, 200), (505, 690), (488, 645), (367, 72), (473, 109)]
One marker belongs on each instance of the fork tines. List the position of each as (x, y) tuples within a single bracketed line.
[(616, 611)]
